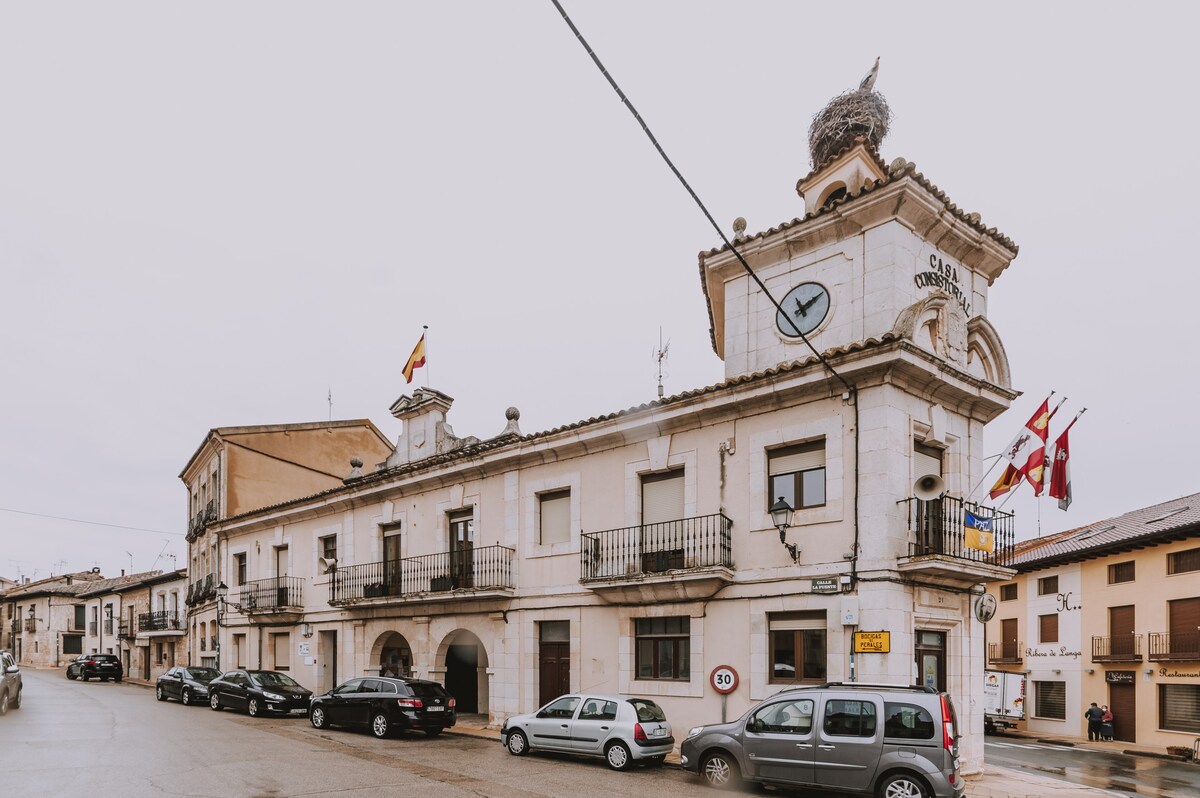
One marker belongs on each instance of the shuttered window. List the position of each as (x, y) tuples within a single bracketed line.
[(1179, 707), (1008, 592), (1047, 585), (1050, 700), (1180, 562), (1120, 572), (556, 517), (926, 460), (283, 651), (797, 475), (1048, 628), (662, 497)]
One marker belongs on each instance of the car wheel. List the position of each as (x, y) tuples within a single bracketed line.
[(159, 694), (618, 757), (70, 675), (720, 771), (517, 744), (316, 717), (379, 725), (903, 785), (185, 697), (4, 703), (214, 702), (252, 707), (433, 732)]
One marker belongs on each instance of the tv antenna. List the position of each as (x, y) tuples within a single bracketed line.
[(660, 354)]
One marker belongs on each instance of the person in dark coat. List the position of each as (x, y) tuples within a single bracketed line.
[(1106, 724), (1095, 716)]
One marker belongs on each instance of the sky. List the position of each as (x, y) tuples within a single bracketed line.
[(222, 213)]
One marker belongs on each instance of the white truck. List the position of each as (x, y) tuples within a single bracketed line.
[(1003, 700)]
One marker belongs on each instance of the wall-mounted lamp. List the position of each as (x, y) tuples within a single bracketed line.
[(1057, 671), (32, 610), (306, 629), (223, 598), (1091, 671), (781, 517), (1149, 671)]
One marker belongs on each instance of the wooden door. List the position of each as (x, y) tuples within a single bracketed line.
[(1184, 625), (1009, 646), (1122, 702), (1120, 631), (554, 660)]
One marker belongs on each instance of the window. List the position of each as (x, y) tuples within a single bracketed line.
[(239, 568), (1048, 628), (72, 644), (784, 717), (1179, 707), (1008, 592), (282, 645), (907, 721), (662, 497), (797, 647), (849, 718), (796, 474), (80, 614), (598, 709), (926, 460), (1047, 585), (1050, 700), (562, 708), (1180, 562), (1120, 572), (662, 648), (555, 514), (328, 547)]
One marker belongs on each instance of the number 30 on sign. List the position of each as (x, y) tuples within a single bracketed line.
[(724, 679)]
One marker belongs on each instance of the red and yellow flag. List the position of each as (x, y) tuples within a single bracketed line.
[(415, 360)]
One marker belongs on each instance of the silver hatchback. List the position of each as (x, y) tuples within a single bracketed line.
[(622, 730)]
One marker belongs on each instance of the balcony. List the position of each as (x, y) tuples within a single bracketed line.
[(30, 624), (1004, 653), (210, 512), (160, 624), (93, 629), (212, 642), (938, 552), (125, 630), (210, 587), (468, 573), (1175, 646), (688, 559), (108, 626), (1117, 648), (282, 594)]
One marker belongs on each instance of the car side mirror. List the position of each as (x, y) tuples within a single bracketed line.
[(755, 725), (543, 714), (12, 669)]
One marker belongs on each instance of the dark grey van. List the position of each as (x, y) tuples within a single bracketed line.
[(894, 741)]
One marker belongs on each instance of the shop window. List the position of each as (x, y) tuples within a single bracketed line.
[(662, 648), (1050, 700), (1179, 707)]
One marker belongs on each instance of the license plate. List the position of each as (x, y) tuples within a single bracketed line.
[(658, 732), (299, 711), (435, 709)]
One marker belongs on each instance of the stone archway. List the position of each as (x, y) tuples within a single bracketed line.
[(465, 660), (391, 655)]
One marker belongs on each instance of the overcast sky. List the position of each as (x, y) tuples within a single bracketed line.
[(216, 213)]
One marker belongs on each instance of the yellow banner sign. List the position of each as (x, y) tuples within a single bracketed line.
[(872, 642)]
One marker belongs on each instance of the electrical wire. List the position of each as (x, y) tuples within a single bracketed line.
[(92, 523)]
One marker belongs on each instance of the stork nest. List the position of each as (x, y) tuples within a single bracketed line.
[(846, 117)]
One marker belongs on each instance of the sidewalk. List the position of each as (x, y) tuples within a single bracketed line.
[(993, 782)]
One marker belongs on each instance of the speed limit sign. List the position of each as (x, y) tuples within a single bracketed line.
[(724, 679)]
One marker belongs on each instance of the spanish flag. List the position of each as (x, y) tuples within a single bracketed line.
[(415, 360)]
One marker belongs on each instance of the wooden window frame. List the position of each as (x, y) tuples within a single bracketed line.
[(1117, 572), (681, 650), (1044, 584), (1009, 588), (798, 476)]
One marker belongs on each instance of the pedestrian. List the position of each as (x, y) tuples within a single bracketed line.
[(1094, 714), (1106, 724)]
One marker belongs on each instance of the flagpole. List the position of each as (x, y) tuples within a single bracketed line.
[(425, 335), (978, 484)]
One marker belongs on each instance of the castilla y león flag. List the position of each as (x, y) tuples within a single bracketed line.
[(1026, 454), (415, 360), (1060, 471)]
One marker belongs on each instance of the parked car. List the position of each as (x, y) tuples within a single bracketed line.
[(894, 741), (189, 685), (258, 692), (100, 666), (384, 705), (622, 730), (10, 683)]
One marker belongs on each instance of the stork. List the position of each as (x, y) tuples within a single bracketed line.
[(868, 82)]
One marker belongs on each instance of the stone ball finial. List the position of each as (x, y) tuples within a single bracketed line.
[(739, 226), (512, 414), (356, 462), (356, 473)]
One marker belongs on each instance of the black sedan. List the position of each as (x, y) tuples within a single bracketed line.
[(258, 692), (385, 705), (189, 685), (99, 666)]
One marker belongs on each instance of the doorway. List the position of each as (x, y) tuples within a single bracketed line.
[(930, 653), (462, 545), (554, 660), (1122, 702), (395, 656), (466, 663), (327, 656)]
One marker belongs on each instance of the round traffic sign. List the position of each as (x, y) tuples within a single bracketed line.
[(724, 679)]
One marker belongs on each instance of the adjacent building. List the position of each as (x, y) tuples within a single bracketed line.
[(637, 552), (1108, 613)]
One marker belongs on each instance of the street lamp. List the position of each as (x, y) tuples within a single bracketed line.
[(781, 517)]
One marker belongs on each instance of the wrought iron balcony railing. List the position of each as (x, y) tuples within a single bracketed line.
[(1004, 653), (266, 595), (210, 587), (483, 568), (1174, 646), (632, 551), (160, 621), (30, 624), (939, 527), (125, 629), (1117, 648)]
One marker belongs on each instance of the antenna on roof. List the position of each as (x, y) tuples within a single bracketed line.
[(660, 355), (330, 403)]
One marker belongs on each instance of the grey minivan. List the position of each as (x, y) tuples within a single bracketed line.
[(894, 741)]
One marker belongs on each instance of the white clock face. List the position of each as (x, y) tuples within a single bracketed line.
[(806, 305)]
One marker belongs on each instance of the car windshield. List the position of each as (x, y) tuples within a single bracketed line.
[(202, 674), (648, 711), (273, 679)]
